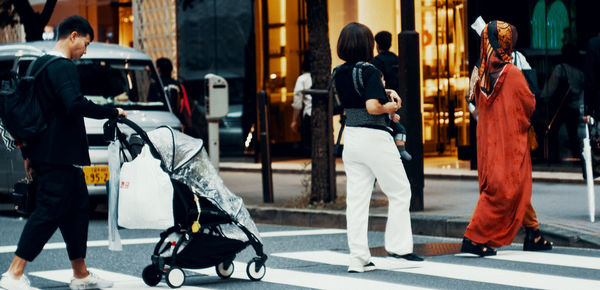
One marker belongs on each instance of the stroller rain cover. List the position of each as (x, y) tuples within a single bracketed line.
[(188, 163)]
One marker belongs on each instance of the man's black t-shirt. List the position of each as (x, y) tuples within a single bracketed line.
[(387, 63), (64, 141)]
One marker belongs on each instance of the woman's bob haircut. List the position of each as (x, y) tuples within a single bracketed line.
[(355, 43)]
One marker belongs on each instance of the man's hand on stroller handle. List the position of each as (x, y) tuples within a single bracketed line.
[(122, 113)]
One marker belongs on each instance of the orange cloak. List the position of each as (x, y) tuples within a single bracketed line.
[(503, 159)]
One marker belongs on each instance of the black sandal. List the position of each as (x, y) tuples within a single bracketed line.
[(531, 245), (481, 250)]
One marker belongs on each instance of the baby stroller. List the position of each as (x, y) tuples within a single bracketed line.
[(211, 223)]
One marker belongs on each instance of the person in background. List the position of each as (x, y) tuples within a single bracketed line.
[(563, 94), (303, 104), (179, 100), (504, 105), (387, 62), (370, 152), (55, 160)]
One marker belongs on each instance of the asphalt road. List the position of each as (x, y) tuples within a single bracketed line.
[(302, 258)]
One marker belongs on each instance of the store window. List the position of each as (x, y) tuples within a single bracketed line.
[(444, 67), (549, 28), (282, 40)]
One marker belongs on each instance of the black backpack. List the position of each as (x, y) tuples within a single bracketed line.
[(20, 110)]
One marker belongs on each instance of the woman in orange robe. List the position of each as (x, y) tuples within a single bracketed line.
[(504, 104)]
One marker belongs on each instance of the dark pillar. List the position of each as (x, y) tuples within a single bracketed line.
[(410, 87), (265, 150), (324, 171)]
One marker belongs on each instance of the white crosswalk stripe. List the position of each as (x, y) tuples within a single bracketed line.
[(462, 272), (122, 281), (549, 259), (140, 241), (311, 280)]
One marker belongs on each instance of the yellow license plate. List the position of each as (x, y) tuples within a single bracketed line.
[(97, 174)]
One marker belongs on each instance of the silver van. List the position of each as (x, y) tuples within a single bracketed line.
[(110, 75)]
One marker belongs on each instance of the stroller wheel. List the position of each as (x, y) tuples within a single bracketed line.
[(175, 277), (225, 269), (255, 271), (151, 275)]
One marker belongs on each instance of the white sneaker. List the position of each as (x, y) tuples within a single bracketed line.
[(90, 282), (8, 282), (359, 269)]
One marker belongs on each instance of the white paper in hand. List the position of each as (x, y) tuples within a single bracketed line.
[(478, 25)]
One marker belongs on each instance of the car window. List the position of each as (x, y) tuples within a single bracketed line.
[(5, 67), (131, 85)]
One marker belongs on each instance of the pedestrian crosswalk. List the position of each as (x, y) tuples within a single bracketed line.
[(290, 269), (473, 273)]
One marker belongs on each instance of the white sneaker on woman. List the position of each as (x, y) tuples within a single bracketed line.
[(90, 282), (9, 282)]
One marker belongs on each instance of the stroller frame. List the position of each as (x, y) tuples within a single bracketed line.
[(171, 267)]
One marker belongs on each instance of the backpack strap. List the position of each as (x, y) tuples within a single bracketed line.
[(339, 103), (50, 60)]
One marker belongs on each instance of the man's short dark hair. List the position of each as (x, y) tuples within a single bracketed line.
[(355, 43), (384, 40), (164, 66), (75, 23), (305, 66)]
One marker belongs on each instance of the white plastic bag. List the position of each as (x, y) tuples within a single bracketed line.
[(145, 194), (114, 168)]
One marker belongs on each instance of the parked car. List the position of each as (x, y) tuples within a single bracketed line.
[(110, 75)]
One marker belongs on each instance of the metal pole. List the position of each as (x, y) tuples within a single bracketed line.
[(213, 142), (265, 149), (587, 155), (410, 86)]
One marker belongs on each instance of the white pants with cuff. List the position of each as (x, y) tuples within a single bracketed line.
[(369, 154)]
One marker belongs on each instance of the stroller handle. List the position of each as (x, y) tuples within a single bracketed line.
[(111, 131)]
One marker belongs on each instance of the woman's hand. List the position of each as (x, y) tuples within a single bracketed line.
[(391, 107), (394, 96), (395, 118)]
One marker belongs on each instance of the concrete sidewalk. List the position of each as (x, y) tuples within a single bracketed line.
[(451, 193)]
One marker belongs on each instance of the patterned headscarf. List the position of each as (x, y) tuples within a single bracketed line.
[(497, 44)]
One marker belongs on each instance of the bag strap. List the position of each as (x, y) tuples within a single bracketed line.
[(339, 137), (51, 59), (339, 103)]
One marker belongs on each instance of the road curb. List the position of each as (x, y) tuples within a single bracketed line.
[(428, 225)]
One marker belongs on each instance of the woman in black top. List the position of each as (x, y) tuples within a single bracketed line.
[(370, 151)]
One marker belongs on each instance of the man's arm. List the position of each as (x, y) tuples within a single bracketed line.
[(65, 83)]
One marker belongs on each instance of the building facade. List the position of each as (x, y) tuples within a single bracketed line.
[(259, 45)]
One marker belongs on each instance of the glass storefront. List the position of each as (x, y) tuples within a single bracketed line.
[(281, 42), (282, 39), (444, 68)]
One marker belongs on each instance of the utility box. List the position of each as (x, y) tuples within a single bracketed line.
[(216, 101), (216, 97)]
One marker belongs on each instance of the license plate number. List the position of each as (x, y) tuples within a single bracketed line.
[(97, 174)]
